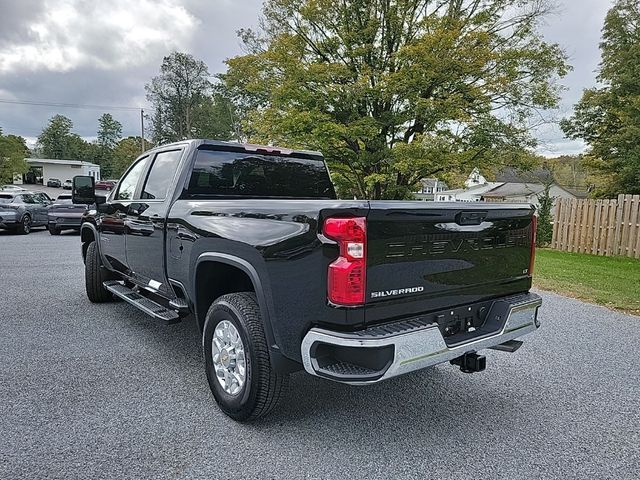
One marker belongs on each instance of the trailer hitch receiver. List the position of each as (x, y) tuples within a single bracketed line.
[(470, 362)]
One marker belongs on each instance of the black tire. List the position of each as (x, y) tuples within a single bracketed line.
[(24, 227), (94, 275), (53, 230), (263, 386)]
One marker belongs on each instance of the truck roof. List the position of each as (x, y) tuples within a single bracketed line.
[(249, 147)]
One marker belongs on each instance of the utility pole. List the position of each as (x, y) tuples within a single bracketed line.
[(142, 128)]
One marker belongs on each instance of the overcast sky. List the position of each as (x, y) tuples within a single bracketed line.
[(102, 53)]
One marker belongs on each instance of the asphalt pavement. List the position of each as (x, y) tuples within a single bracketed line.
[(102, 391)]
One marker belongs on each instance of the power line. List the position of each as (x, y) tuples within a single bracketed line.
[(68, 105), (83, 106)]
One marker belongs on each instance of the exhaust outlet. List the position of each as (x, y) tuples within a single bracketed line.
[(470, 362)]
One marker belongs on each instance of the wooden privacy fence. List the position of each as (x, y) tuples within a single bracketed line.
[(599, 227)]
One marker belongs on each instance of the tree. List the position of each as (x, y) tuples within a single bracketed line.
[(13, 150), (58, 141), (607, 118), (396, 90), (216, 119), (178, 95), (109, 134), (79, 149), (55, 140), (544, 231), (127, 150)]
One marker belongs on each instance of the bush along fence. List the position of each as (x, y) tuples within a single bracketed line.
[(598, 227)]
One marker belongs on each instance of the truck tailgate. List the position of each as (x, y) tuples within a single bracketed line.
[(427, 256)]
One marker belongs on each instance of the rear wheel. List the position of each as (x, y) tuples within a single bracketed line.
[(53, 230), (94, 275), (24, 227), (239, 370)]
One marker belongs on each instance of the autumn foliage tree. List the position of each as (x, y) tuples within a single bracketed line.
[(125, 152), (395, 90)]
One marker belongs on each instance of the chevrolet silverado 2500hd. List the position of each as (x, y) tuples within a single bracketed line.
[(281, 275)]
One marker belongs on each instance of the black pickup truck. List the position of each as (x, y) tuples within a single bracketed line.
[(281, 275)]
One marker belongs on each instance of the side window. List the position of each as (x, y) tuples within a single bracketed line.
[(161, 175), (127, 186), (41, 198), (27, 198)]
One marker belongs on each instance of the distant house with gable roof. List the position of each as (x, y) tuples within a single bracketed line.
[(429, 187), (475, 186)]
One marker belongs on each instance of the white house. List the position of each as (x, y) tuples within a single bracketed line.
[(429, 187), (475, 187), (475, 179), (47, 168), (473, 194)]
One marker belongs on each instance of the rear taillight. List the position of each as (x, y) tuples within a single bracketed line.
[(347, 275), (534, 229)]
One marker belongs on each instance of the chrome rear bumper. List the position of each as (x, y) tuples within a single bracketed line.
[(410, 345)]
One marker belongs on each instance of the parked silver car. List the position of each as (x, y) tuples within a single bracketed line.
[(65, 215), (12, 188), (21, 211)]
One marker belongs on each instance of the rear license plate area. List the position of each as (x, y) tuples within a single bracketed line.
[(462, 319)]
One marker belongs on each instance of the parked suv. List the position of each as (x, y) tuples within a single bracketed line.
[(54, 182), (106, 185), (64, 215), (20, 212), (67, 184)]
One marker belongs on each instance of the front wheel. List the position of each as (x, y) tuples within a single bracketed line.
[(94, 275), (239, 370), (53, 230)]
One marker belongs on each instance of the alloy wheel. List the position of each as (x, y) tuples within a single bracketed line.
[(228, 357)]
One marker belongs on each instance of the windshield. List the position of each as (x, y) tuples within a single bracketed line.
[(239, 174)]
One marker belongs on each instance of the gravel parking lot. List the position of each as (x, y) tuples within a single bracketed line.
[(101, 391)]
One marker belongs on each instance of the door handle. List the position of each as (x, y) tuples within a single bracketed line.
[(184, 234), (139, 228)]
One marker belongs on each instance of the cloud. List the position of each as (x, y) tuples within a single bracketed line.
[(63, 35), (561, 146), (103, 53), (89, 53)]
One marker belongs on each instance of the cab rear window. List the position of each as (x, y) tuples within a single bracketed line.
[(245, 174)]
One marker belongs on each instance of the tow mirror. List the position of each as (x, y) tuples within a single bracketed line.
[(83, 191)]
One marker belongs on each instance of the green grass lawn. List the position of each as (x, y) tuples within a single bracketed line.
[(610, 281)]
